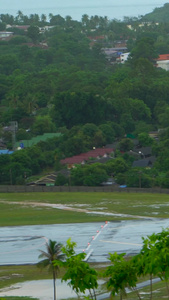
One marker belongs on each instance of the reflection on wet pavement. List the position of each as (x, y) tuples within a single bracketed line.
[(41, 289), (21, 245)]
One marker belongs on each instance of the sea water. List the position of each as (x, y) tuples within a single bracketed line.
[(113, 9)]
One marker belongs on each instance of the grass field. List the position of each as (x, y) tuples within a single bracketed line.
[(18, 208)]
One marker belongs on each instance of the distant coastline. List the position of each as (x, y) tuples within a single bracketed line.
[(108, 8)]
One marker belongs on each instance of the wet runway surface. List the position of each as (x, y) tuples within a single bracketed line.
[(21, 245), (41, 289)]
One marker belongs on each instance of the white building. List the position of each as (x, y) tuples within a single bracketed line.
[(124, 57), (163, 62), (5, 34)]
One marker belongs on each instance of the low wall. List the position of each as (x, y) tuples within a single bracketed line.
[(85, 189)]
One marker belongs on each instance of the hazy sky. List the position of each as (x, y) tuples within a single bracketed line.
[(76, 8)]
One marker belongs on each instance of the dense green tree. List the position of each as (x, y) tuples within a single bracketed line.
[(14, 171), (153, 258), (121, 274), (108, 133), (43, 124), (137, 177), (77, 108), (144, 48), (73, 146), (89, 129), (69, 78), (144, 139), (61, 179), (89, 175), (22, 134), (19, 17), (126, 144), (56, 20), (79, 273), (94, 175), (18, 40), (142, 127), (160, 244), (43, 19), (9, 63), (115, 166), (38, 161), (22, 158), (77, 176), (85, 21), (33, 33), (5, 160), (6, 18), (2, 26)]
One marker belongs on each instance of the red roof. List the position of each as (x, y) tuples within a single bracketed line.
[(77, 159), (163, 57), (24, 27)]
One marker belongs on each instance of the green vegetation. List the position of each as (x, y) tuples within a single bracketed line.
[(59, 82), (152, 260), (56, 73), (81, 276), (160, 14), (20, 209), (122, 273)]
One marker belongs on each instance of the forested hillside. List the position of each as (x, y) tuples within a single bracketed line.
[(159, 14), (56, 78)]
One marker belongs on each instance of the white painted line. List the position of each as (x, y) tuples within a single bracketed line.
[(88, 255), (88, 247), (121, 243), (97, 235)]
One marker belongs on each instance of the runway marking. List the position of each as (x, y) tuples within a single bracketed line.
[(121, 243), (88, 247), (119, 227), (88, 255)]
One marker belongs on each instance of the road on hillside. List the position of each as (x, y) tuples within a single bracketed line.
[(21, 244)]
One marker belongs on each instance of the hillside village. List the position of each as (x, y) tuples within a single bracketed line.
[(84, 103)]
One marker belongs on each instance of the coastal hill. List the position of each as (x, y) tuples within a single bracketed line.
[(159, 14)]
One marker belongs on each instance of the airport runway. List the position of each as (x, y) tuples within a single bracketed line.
[(21, 245)]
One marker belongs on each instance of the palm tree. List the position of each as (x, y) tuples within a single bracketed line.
[(53, 253)]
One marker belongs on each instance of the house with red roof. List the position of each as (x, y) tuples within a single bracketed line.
[(163, 62), (84, 157)]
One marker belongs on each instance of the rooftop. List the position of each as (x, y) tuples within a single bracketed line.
[(77, 159), (163, 57)]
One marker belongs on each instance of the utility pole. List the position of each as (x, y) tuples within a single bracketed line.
[(14, 125), (10, 171)]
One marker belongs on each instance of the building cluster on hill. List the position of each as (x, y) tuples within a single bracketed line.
[(72, 89)]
